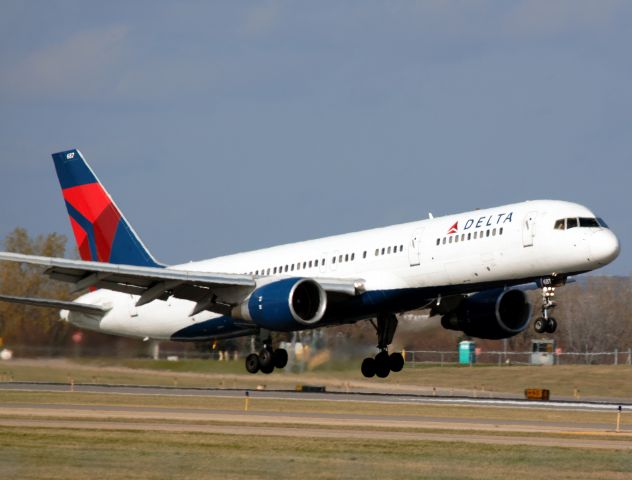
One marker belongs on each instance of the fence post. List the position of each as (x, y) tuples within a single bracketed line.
[(442, 358), (629, 361), (616, 356)]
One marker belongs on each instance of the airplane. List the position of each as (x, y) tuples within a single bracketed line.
[(471, 268)]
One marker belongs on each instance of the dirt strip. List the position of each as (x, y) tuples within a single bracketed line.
[(588, 442)]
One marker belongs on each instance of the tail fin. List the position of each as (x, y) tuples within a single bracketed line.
[(101, 231)]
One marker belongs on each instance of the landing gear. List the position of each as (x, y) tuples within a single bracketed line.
[(268, 358), (546, 323), (383, 363)]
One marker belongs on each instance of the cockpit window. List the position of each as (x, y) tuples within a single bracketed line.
[(566, 223), (588, 222)]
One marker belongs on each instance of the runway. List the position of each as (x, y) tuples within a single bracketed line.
[(496, 401), (389, 426)]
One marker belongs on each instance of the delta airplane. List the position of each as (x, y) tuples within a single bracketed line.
[(470, 268)]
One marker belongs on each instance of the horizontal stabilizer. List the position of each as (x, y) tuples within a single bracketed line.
[(60, 304)]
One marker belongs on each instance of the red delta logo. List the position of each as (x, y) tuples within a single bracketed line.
[(454, 228)]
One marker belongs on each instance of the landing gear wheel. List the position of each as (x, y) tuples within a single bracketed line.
[(382, 366), (368, 367), (279, 358), (551, 325), (252, 363), (540, 325), (396, 362), (267, 369), (265, 359)]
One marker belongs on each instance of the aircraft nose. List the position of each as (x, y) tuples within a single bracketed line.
[(604, 247)]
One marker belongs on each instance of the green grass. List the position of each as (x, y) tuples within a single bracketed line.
[(39, 453)]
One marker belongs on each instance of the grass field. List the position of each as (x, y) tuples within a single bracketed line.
[(589, 381), (76, 454), (120, 453)]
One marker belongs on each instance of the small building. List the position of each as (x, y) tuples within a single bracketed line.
[(467, 352), (542, 352)]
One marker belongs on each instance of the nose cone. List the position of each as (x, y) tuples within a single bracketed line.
[(604, 247)]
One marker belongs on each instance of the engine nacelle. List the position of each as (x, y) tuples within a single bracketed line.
[(285, 305), (491, 315)]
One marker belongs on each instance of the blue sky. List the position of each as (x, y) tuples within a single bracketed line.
[(220, 127)]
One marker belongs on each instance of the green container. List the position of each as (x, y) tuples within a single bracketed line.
[(467, 352)]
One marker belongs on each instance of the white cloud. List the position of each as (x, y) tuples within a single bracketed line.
[(554, 17), (262, 18), (82, 64)]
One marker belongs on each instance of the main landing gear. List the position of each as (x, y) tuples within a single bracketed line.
[(383, 363), (267, 359), (546, 323)]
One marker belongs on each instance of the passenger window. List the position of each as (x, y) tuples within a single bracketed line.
[(274, 271), (304, 265), (475, 233), (347, 257), (494, 232), (438, 241), (456, 239), (333, 259), (444, 240), (340, 259), (315, 263), (286, 267), (469, 236), (323, 262), (500, 232), (487, 233), (310, 264), (364, 254), (377, 252), (388, 250), (450, 240), (383, 250), (292, 268), (559, 224), (352, 256), (571, 223)]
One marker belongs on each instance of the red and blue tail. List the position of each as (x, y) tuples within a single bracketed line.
[(101, 231)]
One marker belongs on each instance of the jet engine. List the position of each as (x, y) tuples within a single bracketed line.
[(492, 315), (285, 305)]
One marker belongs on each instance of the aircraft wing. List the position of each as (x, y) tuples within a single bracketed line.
[(216, 292), (60, 304)]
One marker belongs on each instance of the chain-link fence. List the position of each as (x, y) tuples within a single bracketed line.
[(436, 357)]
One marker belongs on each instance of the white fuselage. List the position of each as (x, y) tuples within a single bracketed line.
[(509, 245)]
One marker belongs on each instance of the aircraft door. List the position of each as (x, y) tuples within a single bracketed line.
[(414, 248), (528, 229)]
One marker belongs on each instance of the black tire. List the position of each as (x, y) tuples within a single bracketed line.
[(540, 325), (267, 369), (279, 358), (368, 367), (265, 359), (551, 325), (396, 362), (382, 364), (252, 363)]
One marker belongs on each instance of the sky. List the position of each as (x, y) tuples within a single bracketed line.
[(220, 127)]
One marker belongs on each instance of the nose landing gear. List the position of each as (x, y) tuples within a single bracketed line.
[(546, 323), (383, 363)]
